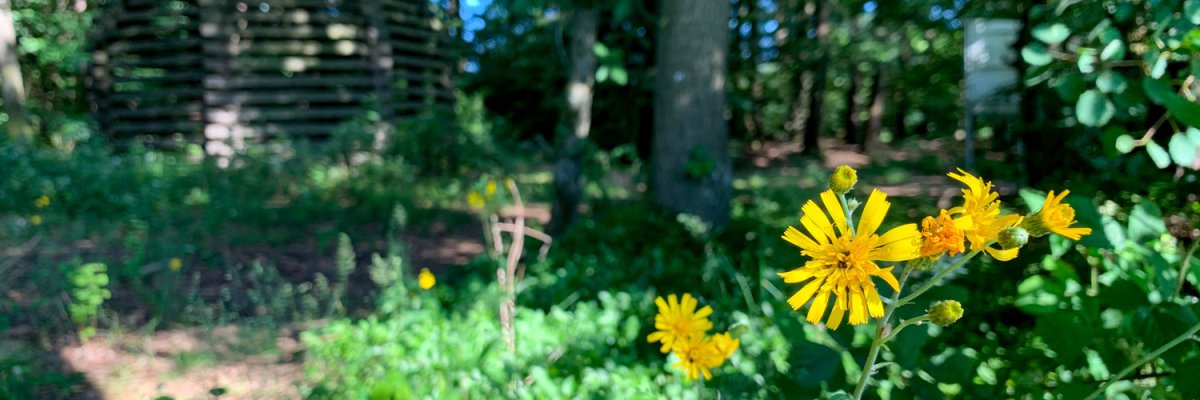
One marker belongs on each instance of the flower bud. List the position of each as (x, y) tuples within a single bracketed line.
[(921, 263), (1014, 237), (945, 312), (843, 179)]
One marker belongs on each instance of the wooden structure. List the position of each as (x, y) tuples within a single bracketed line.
[(230, 71)]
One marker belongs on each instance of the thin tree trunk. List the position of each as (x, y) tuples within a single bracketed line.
[(10, 73), (899, 98), (814, 121), (580, 82), (850, 116), (878, 103), (691, 170), (756, 85)]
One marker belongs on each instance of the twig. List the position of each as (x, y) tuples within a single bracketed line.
[(1187, 262), (1148, 358), (508, 277)]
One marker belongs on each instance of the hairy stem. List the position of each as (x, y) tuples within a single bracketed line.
[(937, 278), (1148, 358), (880, 334), (849, 216)]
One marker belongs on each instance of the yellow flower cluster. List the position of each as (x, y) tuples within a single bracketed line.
[(42, 202), (683, 329), (478, 199), (843, 260)]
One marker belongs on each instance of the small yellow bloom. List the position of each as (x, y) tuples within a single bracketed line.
[(942, 234), (678, 320), (726, 345), (842, 263), (425, 279), (491, 189), (982, 206), (843, 179), (175, 264), (1056, 217), (945, 312), (42, 202), (697, 357), (475, 200), (35, 220)]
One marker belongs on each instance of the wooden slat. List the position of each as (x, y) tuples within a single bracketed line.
[(245, 82)]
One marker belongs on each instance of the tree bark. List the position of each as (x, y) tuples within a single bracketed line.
[(850, 116), (691, 170), (756, 85), (581, 79), (10, 73), (878, 103), (814, 121)]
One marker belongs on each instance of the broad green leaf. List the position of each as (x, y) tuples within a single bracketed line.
[(1191, 10), (1158, 155), (1157, 90), (1069, 86), (1051, 34), (601, 50), (1184, 377), (1033, 198), (1036, 54), (1096, 365), (1182, 150), (1067, 347), (1193, 135), (1115, 50), (1158, 63), (1087, 60), (1183, 109), (1146, 222), (1038, 295), (602, 73), (1158, 324), (1094, 108), (620, 76), (1125, 143), (1111, 82)]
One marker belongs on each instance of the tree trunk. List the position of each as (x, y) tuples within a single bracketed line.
[(850, 116), (691, 170), (10, 74), (899, 98), (756, 85), (581, 78), (878, 102), (814, 121)]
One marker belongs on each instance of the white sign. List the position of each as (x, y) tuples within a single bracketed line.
[(988, 58)]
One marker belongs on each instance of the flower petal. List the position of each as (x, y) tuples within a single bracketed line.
[(798, 275), (805, 293), (835, 316), (835, 210), (1002, 255), (858, 308), (817, 224), (817, 309), (874, 304), (793, 236), (887, 276), (873, 213)]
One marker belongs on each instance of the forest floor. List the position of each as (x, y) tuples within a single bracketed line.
[(258, 363)]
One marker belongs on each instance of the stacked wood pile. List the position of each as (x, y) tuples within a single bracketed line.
[(229, 71)]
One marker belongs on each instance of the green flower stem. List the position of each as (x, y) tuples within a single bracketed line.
[(905, 324), (873, 353), (849, 216), (1148, 358), (937, 278)]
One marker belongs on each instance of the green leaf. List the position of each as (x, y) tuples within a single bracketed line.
[(1051, 34), (1125, 143), (1115, 50), (1096, 365), (1185, 375), (1038, 295), (1191, 10), (602, 73), (1111, 82), (1157, 90), (1087, 60), (1068, 87), (1156, 325), (1158, 155), (1036, 54), (1183, 109), (620, 76), (601, 50), (1067, 347), (1158, 63), (1033, 198), (1182, 150), (1094, 108), (1146, 222)]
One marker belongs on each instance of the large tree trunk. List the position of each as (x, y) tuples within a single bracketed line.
[(691, 170), (814, 121), (10, 75), (571, 142)]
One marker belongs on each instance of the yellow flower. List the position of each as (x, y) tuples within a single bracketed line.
[(942, 234), (678, 320), (175, 264), (1055, 217), (843, 262), (982, 207), (726, 345), (426, 279), (35, 220), (42, 202), (475, 200), (491, 189), (843, 179), (697, 357)]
